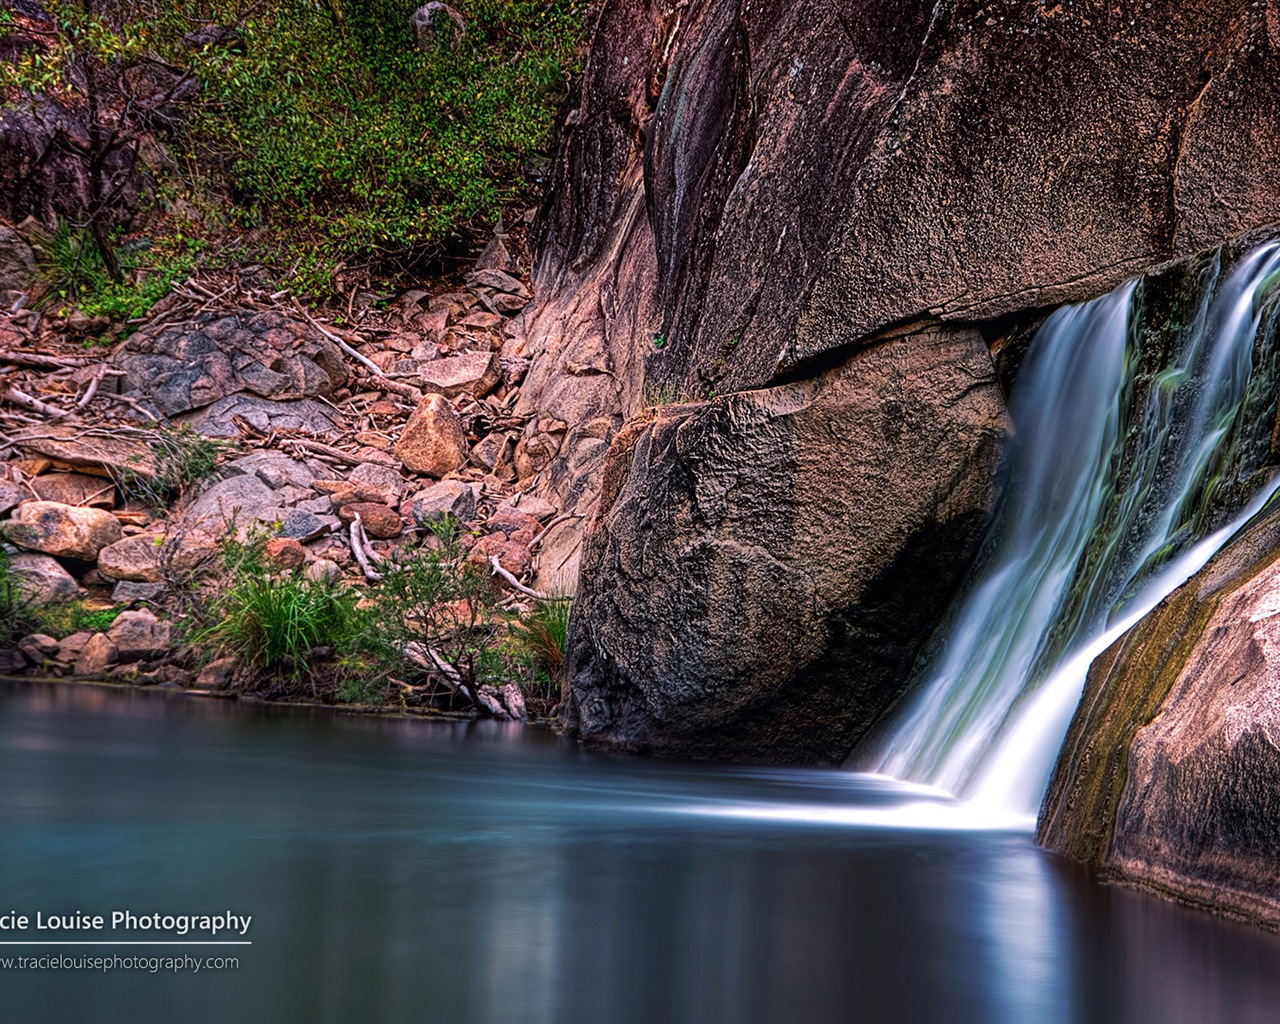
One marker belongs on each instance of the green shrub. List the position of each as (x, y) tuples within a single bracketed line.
[(17, 615), (339, 127), (59, 620), (542, 634)]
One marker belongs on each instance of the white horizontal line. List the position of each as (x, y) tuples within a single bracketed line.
[(47, 942)]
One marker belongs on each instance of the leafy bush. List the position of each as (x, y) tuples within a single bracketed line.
[(434, 612), (275, 621), (542, 634), (17, 616), (340, 127), (59, 620)]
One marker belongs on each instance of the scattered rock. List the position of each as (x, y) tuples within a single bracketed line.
[(75, 489), (263, 415), (180, 369), (499, 281), (274, 469), (449, 497), (513, 557), (322, 570), (63, 530), (43, 580), (97, 452), (134, 559), (11, 496), (488, 451), (513, 699), (510, 521), (137, 635), (386, 479), (495, 256), (131, 592), (97, 655), (285, 553), (432, 441), (529, 505), (301, 525), (38, 648), (238, 498), (476, 373), (379, 521), (11, 661), (219, 674)]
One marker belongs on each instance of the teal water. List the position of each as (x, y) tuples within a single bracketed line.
[(454, 873)]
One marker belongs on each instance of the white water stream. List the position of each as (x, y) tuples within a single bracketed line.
[(1114, 475)]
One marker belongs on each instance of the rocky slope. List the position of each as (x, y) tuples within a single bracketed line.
[(746, 196), (1170, 773)]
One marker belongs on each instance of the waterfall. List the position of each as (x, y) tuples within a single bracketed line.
[(1142, 437)]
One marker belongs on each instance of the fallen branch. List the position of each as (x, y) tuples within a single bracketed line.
[(43, 361), (24, 401), (369, 364), (133, 404), (537, 595), (358, 542), (92, 389)]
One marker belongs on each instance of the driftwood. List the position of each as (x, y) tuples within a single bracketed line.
[(537, 595), (362, 554)]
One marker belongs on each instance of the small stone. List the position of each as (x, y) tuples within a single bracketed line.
[(38, 648), (97, 655), (133, 558), (238, 498), (75, 489), (515, 558), (476, 373), (69, 647), (510, 520), (449, 497), (530, 505), (489, 449), (219, 674), (63, 530), (11, 496), (303, 525), (499, 281), (323, 570), (495, 256), (379, 521), (43, 580), (137, 634), (131, 592), (432, 441), (386, 479), (285, 553), (273, 469)]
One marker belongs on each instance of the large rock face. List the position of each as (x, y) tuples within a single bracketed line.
[(741, 189), (765, 565), (745, 195), (1170, 775)]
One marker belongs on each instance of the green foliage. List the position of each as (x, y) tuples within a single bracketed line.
[(182, 457), (73, 272), (437, 600), (340, 128), (17, 616), (59, 620), (659, 341), (275, 621), (542, 634)]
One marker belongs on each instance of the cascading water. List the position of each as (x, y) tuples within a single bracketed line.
[(1139, 451)]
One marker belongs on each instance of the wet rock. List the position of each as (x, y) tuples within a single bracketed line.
[(63, 530), (734, 603), (75, 489), (137, 635), (379, 521), (219, 674), (96, 656), (1170, 773), (432, 441), (476, 373), (43, 580), (447, 498)]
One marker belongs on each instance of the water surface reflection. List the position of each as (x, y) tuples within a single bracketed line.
[(407, 871)]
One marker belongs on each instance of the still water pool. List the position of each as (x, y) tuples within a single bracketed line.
[(453, 872)]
